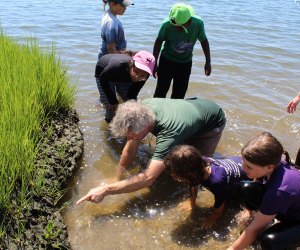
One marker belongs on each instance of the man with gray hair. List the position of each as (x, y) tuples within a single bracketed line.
[(195, 121)]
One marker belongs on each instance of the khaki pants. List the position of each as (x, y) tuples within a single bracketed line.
[(207, 142)]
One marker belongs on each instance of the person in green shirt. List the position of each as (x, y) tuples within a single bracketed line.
[(175, 44), (197, 122)]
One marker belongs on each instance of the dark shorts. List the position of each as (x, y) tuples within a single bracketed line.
[(207, 142)]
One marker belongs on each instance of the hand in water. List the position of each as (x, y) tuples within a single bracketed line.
[(185, 206), (207, 223), (189, 203), (95, 195), (244, 217), (121, 174)]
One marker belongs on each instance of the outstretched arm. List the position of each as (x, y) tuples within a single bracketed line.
[(129, 185), (252, 231), (206, 51), (291, 108)]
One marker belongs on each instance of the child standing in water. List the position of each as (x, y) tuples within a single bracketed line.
[(120, 68), (275, 193), (113, 41), (222, 177), (112, 31), (177, 37)]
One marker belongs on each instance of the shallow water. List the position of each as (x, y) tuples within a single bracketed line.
[(255, 72)]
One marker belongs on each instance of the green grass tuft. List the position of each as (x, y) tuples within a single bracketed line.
[(34, 85)]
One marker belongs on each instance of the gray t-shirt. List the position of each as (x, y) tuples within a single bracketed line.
[(112, 31)]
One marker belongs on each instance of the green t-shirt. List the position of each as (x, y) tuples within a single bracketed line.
[(178, 45), (178, 120)]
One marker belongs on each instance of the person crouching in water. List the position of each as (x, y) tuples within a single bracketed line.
[(122, 74), (275, 193), (220, 176)]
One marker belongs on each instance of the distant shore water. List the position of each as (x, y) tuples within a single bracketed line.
[(255, 57)]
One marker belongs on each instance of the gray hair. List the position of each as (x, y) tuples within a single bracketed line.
[(131, 116)]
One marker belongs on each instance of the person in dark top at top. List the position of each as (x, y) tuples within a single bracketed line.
[(113, 70)]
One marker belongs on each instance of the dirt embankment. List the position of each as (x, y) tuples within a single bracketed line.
[(41, 220)]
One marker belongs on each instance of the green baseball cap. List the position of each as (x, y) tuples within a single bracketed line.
[(180, 13)]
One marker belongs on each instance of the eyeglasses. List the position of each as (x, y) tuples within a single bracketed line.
[(139, 74)]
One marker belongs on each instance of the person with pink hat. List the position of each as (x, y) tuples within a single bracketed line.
[(122, 69)]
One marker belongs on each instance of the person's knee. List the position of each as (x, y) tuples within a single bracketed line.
[(275, 241), (249, 187), (251, 194), (267, 241)]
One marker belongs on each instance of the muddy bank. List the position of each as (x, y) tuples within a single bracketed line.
[(41, 221)]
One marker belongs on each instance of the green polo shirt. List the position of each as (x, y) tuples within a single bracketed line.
[(178, 45), (178, 120)]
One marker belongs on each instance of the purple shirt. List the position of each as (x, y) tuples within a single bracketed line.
[(225, 177), (283, 192)]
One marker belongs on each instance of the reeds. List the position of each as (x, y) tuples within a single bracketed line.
[(33, 85)]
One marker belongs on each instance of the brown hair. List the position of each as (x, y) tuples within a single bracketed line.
[(185, 163), (106, 2), (264, 150)]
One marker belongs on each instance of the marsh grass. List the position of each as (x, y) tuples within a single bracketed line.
[(34, 85)]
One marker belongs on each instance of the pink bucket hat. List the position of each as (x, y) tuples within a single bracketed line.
[(144, 60)]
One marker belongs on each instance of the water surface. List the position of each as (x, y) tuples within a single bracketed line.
[(255, 72)]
